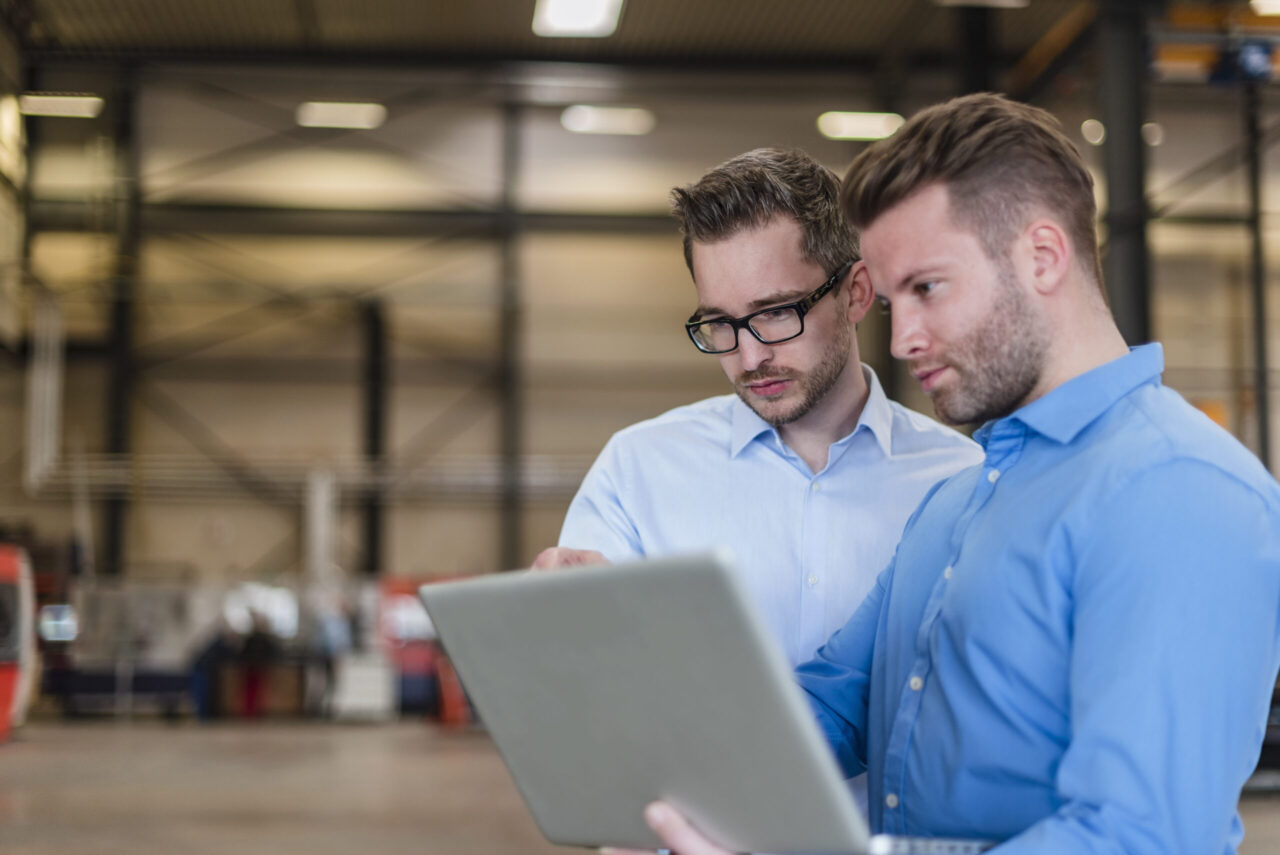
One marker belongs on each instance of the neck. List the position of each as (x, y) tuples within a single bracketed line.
[(1082, 340), (831, 419)]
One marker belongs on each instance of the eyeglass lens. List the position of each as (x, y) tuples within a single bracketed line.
[(769, 327)]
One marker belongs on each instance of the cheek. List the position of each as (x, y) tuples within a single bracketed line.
[(729, 365), (961, 320), (805, 352)]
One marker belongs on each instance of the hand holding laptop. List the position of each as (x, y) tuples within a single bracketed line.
[(675, 831)]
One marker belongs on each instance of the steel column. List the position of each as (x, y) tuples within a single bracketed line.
[(375, 430), (510, 399), (1122, 45), (30, 82), (1258, 269), (120, 386)]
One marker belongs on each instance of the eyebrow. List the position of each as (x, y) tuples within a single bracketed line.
[(776, 299), (913, 275)]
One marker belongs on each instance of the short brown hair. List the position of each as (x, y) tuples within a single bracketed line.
[(998, 159), (753, 188)]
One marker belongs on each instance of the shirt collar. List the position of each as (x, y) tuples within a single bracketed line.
[(1065, 411), (746, 427), (876, 416)]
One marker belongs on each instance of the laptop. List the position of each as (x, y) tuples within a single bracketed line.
[(607, 688)]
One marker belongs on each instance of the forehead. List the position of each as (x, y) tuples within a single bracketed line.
[(753, 264), (912, 236)]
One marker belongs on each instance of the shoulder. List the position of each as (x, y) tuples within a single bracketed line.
[(706, 421), (1175, 497), (915, 432), (1155, 435)]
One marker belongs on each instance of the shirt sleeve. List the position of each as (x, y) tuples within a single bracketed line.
[(1173, 661), (837, 680), (598, 517)]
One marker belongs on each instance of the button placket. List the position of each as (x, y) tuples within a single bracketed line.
[(812, 605)]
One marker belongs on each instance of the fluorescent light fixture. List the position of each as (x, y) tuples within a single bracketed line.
[(626, 121), (341, 114), (1265, 7), (70, 105), (1093, 131), (989, 4), (583, 19), (858, 126)]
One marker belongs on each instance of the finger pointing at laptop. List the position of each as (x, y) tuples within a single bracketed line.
[(563, 556)]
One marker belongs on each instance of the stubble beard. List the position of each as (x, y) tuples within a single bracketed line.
[(809, 389), (999, 364)]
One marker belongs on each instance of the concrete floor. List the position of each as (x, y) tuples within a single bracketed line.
[(274, 789), (147, 788)]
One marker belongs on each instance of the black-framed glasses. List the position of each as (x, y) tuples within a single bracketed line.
[(773, 325)]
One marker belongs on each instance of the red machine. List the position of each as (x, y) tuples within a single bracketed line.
[(17, 636)]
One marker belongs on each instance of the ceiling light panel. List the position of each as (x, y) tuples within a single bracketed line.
[(988, 4), (836, 125), (589, 19), (625, 121), (65, 105), (341, 114)]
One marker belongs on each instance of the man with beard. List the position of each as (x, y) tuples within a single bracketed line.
[(1075, 646), (809, 472)]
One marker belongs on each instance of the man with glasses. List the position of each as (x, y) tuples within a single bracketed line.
[(809, 472)]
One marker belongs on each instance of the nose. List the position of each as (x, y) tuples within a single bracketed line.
[(751, 352), (907, 338)]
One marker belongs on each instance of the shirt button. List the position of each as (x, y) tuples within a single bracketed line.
[(946, 574), (993, 475), (817, 488), (813, 580), (891, 801), (916, 684)]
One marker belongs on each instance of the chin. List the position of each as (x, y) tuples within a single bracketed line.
[(947, 419), (943, 409), (774, 415)]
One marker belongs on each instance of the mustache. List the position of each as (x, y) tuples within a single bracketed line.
[(762, 374)]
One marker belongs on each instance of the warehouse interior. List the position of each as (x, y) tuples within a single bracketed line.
[(264, 375)]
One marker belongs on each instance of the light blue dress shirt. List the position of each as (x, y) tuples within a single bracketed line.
[(1075, 646), (809, 545)]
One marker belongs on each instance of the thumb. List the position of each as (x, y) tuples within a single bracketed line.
[(677, 833)]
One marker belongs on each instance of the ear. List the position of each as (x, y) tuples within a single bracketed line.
[(1048, 254), (861, 295)]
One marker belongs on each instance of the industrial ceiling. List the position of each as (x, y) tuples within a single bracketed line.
[(793, 33)]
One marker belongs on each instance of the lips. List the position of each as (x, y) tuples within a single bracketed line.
[(770, 388), (928, 377)]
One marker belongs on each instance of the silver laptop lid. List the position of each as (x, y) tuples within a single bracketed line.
[(607, 688)]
